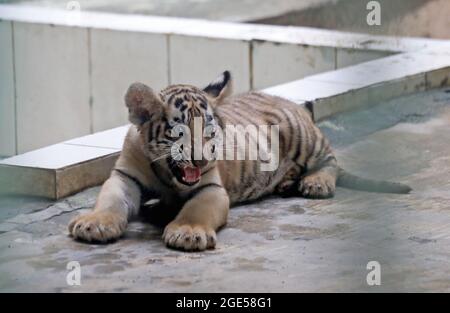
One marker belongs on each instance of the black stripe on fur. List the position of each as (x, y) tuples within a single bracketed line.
[(145, 191), (196, 191)]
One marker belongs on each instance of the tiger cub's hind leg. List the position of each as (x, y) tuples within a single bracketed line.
[(321, 182), (317, 184)]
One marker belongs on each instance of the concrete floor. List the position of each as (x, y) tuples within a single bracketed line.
[(224, 10), (417, 18), (276, 245)]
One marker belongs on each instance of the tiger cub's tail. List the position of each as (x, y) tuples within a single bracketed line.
[(351, 181)]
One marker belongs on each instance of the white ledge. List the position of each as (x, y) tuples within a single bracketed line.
[(211, 29)]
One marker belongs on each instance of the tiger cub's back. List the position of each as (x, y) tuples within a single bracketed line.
[(244, 179)]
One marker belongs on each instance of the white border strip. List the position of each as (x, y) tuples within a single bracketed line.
[(211, 29)]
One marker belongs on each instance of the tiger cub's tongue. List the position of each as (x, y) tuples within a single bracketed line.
[(191, 174)]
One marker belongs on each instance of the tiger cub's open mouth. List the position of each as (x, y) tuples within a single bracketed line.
[(187, 175)]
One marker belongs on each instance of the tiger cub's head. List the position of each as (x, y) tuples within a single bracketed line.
[(178, 126)]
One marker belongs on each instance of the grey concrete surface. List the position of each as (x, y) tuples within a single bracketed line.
[(224, 10), (412, 18), (277, 244)]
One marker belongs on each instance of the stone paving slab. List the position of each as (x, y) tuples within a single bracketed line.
[(62, 169)]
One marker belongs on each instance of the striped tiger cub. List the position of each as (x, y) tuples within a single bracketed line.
[(196, 190)]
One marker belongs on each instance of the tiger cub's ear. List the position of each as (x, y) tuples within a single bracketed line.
[(142, 103), (221, 87)]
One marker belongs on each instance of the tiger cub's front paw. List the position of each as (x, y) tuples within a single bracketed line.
[(189, 237), (98, 226)]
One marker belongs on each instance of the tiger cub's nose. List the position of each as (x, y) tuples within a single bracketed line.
[(200, 163)]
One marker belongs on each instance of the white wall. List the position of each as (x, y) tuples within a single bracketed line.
[(7, 103), (52, 84), (198, 61), (60, 81), (117, 60)]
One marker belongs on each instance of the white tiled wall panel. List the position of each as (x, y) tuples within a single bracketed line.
[(119, 59), (275, 63), (198, 61), (52, 84), (347, 57), (7, 105)]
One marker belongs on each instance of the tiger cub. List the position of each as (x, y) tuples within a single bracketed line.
[(196, 190)]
